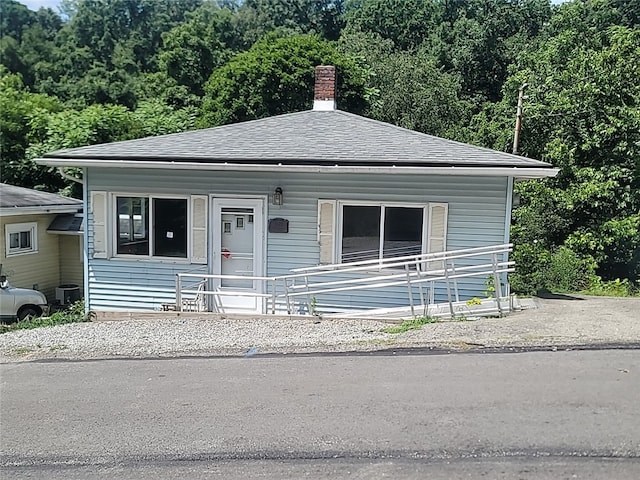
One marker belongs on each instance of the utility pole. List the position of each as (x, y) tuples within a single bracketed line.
[(516, 134)]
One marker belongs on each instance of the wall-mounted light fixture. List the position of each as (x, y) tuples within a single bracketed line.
[(277, 196)]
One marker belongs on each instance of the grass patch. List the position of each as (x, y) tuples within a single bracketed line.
[(613, 288), (414, 324), (73, 314)]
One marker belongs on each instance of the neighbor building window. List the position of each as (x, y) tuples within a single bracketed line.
[(379, 231), (149, 226), (21, 238)]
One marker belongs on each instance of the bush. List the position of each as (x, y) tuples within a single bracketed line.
[(613, 288), (74, 313), (531, 261), (539, 269), (566, 272)]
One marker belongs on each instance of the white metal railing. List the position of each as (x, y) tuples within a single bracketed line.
[(301, 287)]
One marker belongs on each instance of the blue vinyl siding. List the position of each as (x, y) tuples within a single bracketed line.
[(476, 218)]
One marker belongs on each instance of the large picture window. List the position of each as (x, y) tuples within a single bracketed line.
[(379, 231), (151, 226), (21, 238)]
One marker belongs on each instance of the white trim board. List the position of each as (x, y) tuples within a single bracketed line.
[(516, 172)]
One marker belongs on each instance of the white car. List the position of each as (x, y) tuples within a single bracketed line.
[(20, 303)]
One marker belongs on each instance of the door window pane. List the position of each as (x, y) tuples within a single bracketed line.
[(402, 231), (170, 227), (360, 232), (133, 225)]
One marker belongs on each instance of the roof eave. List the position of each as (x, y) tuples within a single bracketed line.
[(39, 210), (74, 233), (509, 171)]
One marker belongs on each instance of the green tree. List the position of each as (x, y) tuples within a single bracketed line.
[(407, 23), (478, 40), (320, 17), (19, 109), (474, 39), (193, 49), (276, 76), (584, 117), (407, 89), (104, 48), (26, 38), (153, 117), (14, 18)]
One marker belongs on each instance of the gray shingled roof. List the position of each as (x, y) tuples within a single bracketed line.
[(12, 196), (306, 138)]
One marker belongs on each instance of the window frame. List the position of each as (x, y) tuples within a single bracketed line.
[(383, 206), (114, 218), (13, 228)]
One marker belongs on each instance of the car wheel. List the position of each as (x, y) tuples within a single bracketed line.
[(27, 314)]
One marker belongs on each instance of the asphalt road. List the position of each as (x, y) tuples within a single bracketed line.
[(543, 415)]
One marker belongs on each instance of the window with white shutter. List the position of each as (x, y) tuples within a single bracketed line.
[(326, 230), (199, 228), (98, 209), (377, 230), (437, 236)]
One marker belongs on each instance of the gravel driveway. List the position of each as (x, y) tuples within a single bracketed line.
[(559, 322)]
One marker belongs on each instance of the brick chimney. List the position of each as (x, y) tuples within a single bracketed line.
[(324, 97)]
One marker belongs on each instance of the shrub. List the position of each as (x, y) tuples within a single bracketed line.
[(74, 313), (566, 272), (531, 261), (562, 270), (613, 288)]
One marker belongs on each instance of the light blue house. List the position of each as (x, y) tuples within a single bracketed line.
[(263, 197)]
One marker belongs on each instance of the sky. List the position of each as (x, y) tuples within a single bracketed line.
[(36, 4)]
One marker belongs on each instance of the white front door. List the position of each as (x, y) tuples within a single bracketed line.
[(238, 252)]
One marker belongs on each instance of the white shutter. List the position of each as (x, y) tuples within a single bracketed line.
[(98, 209), (199, 228), (326, 229), (437, 237)]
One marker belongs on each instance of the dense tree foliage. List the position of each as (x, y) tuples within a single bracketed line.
[(407, 89), (586, 120), (20, 109), (106, 70), (276, 75)]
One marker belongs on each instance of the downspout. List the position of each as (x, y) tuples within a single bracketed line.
[(507, 232), (66, 176), (85, 237), (508, 210), (85, 241)]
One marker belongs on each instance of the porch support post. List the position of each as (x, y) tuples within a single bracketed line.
[(409, 286), (446, 279), (178, 293), (274, 287), (496, 282)]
